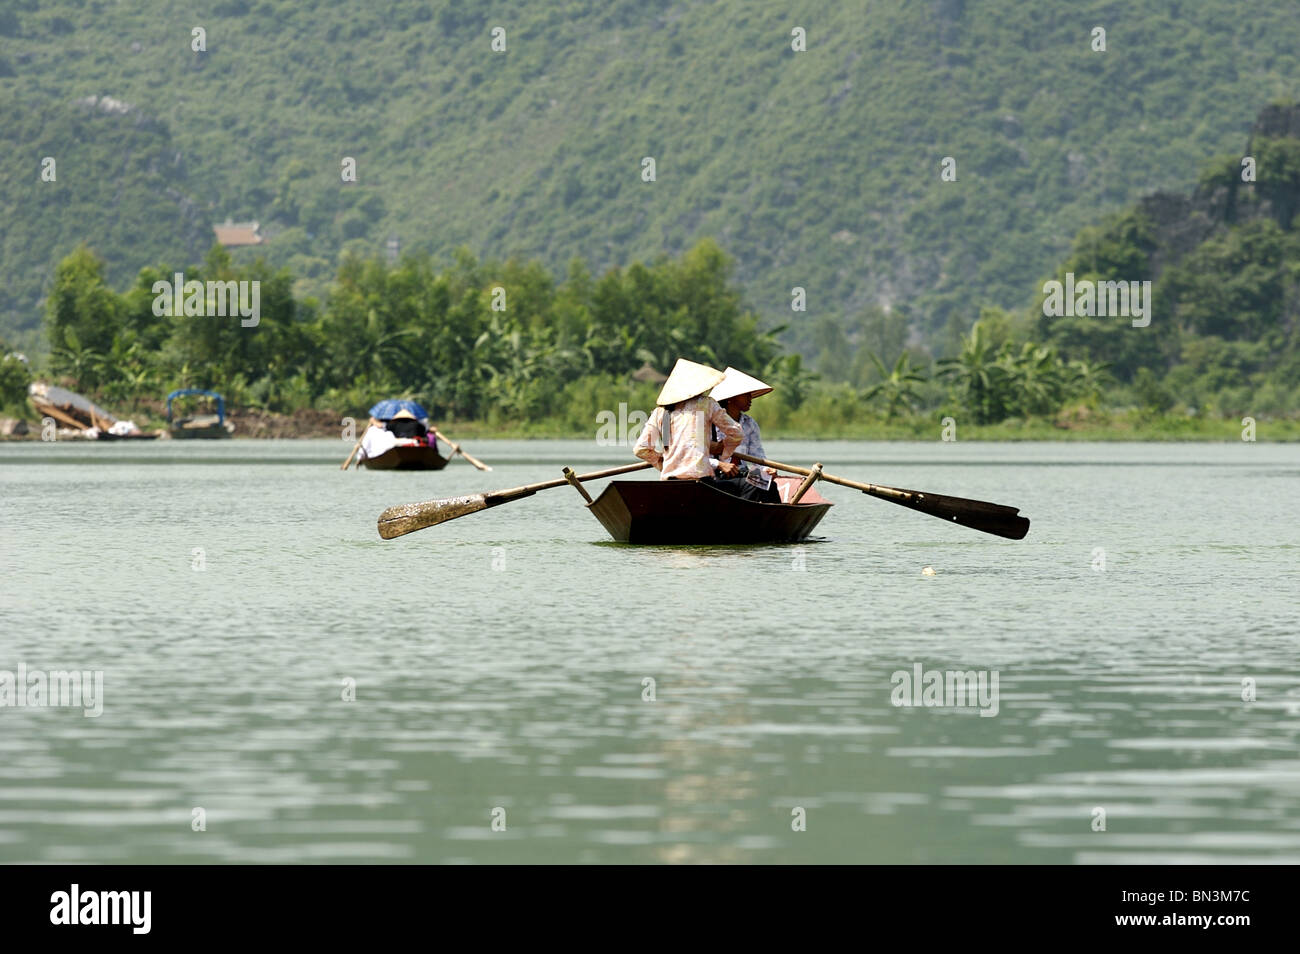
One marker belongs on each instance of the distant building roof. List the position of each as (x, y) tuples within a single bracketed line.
[(238, 233), (647, 373)]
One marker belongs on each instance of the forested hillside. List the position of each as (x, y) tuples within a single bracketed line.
[(818, 169), (1214, 273)]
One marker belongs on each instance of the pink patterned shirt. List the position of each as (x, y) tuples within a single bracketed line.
[(688, 433)]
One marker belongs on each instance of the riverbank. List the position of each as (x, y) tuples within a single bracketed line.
[(1131, 425)]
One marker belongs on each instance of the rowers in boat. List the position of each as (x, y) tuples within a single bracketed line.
[(681, 422), (398, 437)]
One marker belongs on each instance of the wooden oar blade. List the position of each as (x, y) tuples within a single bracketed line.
[(407, 518), (1011, 526), (997, 519)]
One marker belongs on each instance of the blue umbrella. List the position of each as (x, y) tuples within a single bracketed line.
[(387, 410)]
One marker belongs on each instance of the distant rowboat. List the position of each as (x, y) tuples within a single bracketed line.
[(686, 511), (398, 438)]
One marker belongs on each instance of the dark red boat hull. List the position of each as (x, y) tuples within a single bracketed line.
[(407, 458), (688, 512)]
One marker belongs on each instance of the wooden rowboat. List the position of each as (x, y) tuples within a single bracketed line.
[(198, 426), (407, 457), (686, 511), (204, 426)]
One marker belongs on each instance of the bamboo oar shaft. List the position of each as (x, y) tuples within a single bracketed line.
[(561, 481), (357, 446), (572, 478), (456, 449), (875, 489), (777, 465), (813, 476), (998, 519)]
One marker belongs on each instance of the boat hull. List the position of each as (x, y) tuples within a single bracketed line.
[(203, 428), (106, 436), (407, 458), (199, 433), (688, 512)]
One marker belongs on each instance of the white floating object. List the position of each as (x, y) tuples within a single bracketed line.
[(927, 571)]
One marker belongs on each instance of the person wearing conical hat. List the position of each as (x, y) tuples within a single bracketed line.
[(407, 426), (403, 427), (736, 394), (681, 421)]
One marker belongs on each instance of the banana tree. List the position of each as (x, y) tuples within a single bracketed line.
[(980, 379), (896, 386), (1034, 378)]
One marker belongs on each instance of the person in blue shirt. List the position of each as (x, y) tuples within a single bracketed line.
[(736, 394)]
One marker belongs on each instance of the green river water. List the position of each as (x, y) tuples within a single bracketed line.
[(230, 592)]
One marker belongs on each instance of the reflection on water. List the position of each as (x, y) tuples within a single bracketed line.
[(500, 663)]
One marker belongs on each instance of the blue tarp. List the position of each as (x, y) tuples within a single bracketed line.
[(385, 410)]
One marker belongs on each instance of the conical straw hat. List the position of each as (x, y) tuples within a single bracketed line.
[(686, 381), (736, 383)]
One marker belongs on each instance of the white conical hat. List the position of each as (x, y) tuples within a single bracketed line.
[(686, 381), (736, 383)]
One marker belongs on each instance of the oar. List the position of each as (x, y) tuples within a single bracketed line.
[(455, 449), (407, 518), (357, 447), (992, 518), (353, 454)]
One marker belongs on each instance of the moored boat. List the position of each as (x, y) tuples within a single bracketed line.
[(412, 456), (80, 416), (689, 512), (101, 435), (209, 426)]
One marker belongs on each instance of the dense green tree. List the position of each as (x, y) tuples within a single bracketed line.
[(979, 378), (897, 386), (1033, 379), (15, 375), (507, 342), (82, 316)]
